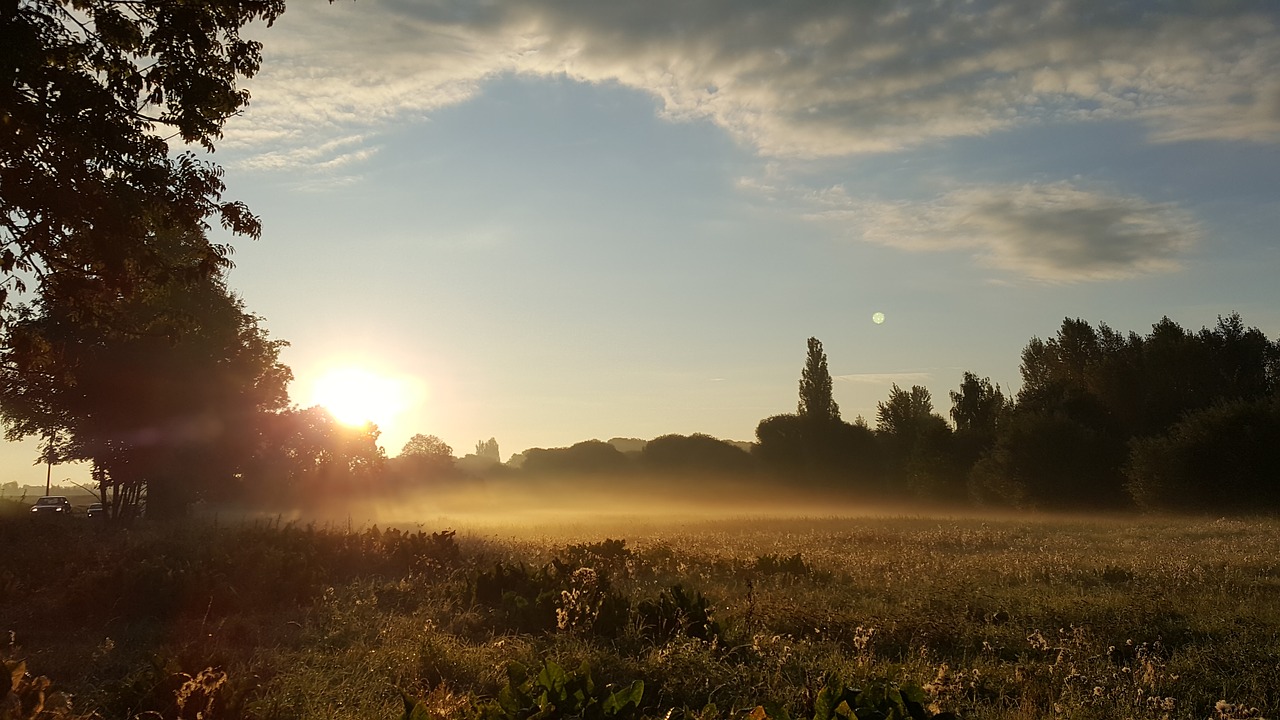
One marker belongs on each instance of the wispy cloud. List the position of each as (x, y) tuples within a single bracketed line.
[(797, 79), (1054, 232), (902, 378)]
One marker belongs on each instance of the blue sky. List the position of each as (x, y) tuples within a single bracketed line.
[(554, 221)]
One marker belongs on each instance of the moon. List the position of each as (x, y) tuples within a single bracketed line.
[(877, 318)]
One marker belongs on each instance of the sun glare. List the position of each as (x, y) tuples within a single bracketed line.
[(356, 396)]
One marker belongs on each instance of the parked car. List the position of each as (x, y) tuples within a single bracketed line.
[(52, 505), (96, 511)]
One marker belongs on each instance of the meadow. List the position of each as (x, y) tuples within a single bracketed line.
[(747, 616)]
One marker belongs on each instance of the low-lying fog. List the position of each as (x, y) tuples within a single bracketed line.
[(591, 506)]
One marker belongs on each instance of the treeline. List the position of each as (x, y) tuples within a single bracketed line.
[(1173, 420), (1170, 420)]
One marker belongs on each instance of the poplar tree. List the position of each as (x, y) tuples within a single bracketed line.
[(816, 402)]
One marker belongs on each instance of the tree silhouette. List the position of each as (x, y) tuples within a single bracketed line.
[(816, 402), (979, 406), (162, 390), (1223, 458), (594, 457), (308, 456), (917, 444), (488, 449), (902, 413), (426, 446), (91, 91), (696, 453)]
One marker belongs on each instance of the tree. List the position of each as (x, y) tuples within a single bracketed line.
[(696, 453), (979, 406), (307, 456), (589, 457), (423, 458), (427, 446), (780, 442), (816, 402), (814, 443), (162, 390), (1051, 461), (488, 449), (979, 409), (90, 93), (917, 444), (901, 415), (1225, 458)]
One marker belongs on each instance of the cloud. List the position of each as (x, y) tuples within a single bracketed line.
[(902, 378), (798, 79), (1055, 232)]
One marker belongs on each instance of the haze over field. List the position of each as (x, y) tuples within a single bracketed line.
[(545, 223)]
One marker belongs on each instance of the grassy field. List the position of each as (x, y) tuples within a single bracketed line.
[(746, 617)]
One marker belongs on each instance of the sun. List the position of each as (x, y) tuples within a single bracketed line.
[(355, 396)]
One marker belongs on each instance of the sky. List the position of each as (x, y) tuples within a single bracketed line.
[(558, 220)]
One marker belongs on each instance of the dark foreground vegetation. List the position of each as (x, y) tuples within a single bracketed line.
[(733, 619)]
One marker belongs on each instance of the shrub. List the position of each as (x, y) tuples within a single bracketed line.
[(676, 612), (1222, 459)]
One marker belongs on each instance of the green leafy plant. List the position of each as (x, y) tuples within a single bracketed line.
[(557, 596), (676, 612), (879, 700), (550, 694), (524, 599)]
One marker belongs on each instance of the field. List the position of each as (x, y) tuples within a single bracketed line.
[(736, 617)]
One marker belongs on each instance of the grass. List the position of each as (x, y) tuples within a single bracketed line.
[(1072, 618)]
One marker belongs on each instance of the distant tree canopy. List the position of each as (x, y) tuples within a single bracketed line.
[(905, 413), (695, 454), (426, 446), (590, 457), (916, 444), (1103, 420), (90, 90), (424, 458), (1095, 403), (488, 449)]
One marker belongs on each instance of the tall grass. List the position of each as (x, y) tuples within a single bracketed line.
[(1153, 618)]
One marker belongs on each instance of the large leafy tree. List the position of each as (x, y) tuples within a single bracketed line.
[(696, 453), (163, 390), (978, 406), (427, 446), (917, 443), (91, 93)]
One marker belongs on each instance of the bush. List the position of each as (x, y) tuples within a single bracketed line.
[(1222, 459), (1049, 460)]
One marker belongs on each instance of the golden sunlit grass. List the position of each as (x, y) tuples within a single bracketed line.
[(995, 618)]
